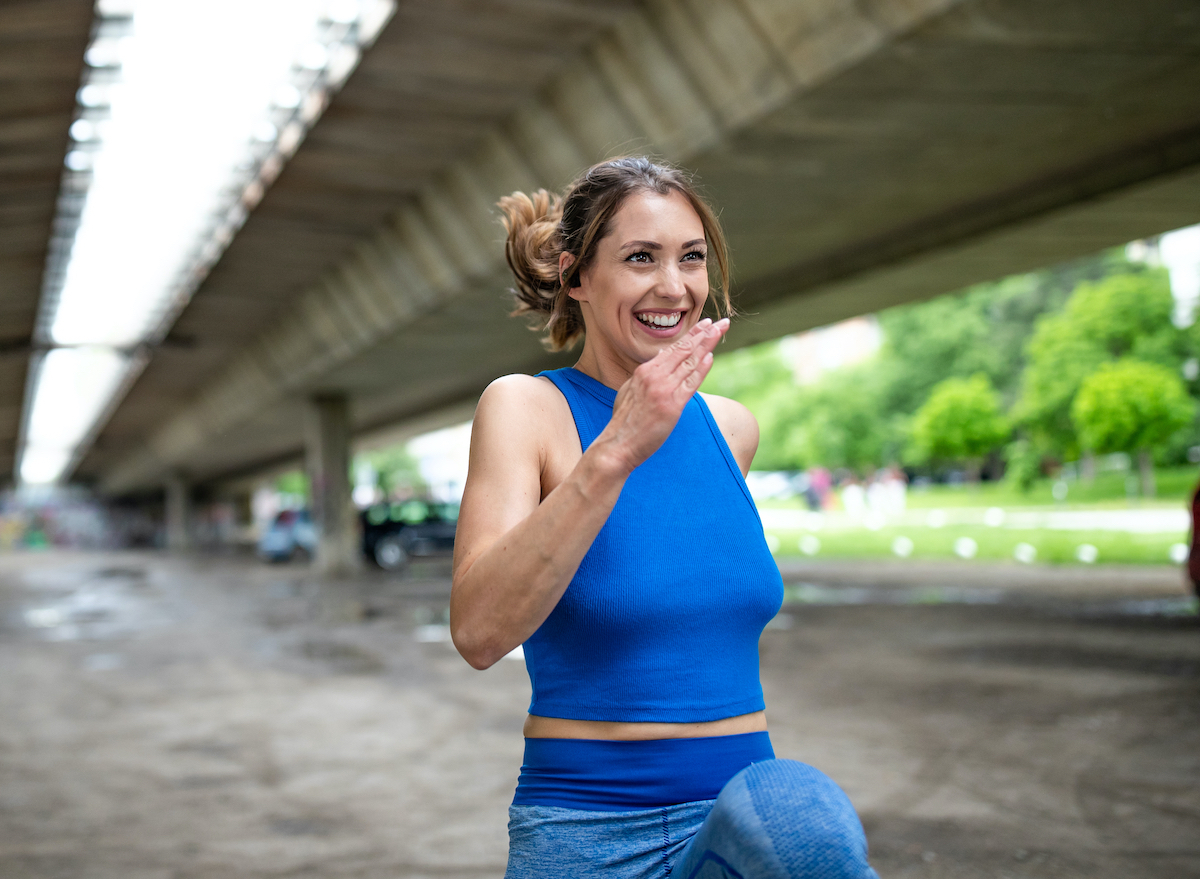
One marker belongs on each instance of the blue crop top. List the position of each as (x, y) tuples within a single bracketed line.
[(661, 621)]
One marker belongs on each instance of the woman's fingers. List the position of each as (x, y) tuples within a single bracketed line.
[(703, 344), (672, 365), (672, 356), (697, 376)]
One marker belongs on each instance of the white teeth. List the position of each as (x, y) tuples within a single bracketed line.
[(660, 320)]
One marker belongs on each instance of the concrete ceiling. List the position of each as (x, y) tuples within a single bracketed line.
[(41, 58), (862, 154)]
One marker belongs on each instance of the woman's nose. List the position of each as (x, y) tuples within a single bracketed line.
[(672, 285)]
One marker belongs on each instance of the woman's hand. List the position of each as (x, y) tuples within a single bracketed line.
[(649, 404)]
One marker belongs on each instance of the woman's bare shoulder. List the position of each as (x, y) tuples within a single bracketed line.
[(521, 395), (738, 425), (520, 410)]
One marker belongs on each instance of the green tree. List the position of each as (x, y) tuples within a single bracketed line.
[(294, 482), (960, 422), (841, 421), (398, 474), (837, 422), (1023, 465), (858, 416), (758, 378), (983, 329), (749, 374), (1131, 406), (1124, 314)]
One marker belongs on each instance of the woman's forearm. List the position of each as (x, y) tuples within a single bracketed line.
[(500, 597)]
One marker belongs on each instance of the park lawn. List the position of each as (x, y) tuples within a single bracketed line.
[(992, 544), (1175, 486)]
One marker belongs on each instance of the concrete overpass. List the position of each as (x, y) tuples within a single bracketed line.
[(864, 154)]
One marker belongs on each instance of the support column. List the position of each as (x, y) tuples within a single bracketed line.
[(327, 449), (179, 513)]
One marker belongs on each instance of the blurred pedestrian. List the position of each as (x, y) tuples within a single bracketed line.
[(822, 483), (1193, 561), (607, 527), (894, 496), (854, 497)]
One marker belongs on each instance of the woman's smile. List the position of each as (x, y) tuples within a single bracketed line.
[(660, 323)]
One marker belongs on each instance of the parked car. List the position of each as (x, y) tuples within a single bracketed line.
[(393, 533), (291, 534)]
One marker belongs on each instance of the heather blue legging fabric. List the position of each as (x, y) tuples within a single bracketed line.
[(778, 819)]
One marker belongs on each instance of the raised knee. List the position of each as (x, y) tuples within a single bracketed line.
[(811, 823)]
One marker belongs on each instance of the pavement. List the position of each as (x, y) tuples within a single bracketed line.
[(197, 717)]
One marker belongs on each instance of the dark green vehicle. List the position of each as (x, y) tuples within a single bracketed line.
[(395, 532)]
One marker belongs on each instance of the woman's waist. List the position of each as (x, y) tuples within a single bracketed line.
[(538, 727), (609, 775)]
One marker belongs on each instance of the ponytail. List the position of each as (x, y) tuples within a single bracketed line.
[(532, 249)]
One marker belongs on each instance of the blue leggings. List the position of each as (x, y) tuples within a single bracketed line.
[(778, 819)]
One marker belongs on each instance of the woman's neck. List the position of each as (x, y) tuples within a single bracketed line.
[(608, 368)]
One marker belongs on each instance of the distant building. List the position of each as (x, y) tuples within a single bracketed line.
[(813, 353), (1179, 252)]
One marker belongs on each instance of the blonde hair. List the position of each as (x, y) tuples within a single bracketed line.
[(542, 226)]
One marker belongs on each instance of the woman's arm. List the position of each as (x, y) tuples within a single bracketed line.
[(514, 557)]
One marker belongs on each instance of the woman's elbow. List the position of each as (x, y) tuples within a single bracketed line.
[(472, 647)]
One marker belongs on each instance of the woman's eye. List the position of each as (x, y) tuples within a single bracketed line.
[(694, 256), (640, 256)]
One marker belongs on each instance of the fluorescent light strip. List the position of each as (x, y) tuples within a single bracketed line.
[(188, 113), (74, 384)]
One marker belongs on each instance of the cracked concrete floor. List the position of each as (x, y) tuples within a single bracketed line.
[(214, 717)]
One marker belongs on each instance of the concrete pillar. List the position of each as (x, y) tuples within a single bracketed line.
[(327, 450), (179, 513)]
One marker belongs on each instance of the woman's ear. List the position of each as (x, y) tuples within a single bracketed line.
[(565, 261)]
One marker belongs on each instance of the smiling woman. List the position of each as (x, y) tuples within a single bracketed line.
[(606, 527)]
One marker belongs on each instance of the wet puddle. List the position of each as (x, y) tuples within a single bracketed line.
[(816, 594), (99, 605), (813, 593)]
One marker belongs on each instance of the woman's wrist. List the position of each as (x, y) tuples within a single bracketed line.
[(605, 464)]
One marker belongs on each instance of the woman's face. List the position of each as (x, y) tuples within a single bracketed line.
[(647, 282)]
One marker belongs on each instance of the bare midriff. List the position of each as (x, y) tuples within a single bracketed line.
[(537, 727)]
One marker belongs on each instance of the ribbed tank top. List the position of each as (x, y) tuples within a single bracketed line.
[(662, 619)]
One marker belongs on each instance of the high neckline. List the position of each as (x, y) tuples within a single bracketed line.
[(596, 387)]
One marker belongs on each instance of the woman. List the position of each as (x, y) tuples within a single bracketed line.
[(606, 525)]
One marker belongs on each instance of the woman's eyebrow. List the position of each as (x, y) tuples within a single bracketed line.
[(654, 245)]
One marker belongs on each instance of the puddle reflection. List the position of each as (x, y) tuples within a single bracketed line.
[(106, 604)]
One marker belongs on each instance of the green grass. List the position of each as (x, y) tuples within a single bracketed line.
[(841, 538), (993, 544), (1175, 486)]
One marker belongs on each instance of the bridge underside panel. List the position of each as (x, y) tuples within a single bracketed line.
[(860, 159), (420, 372)]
